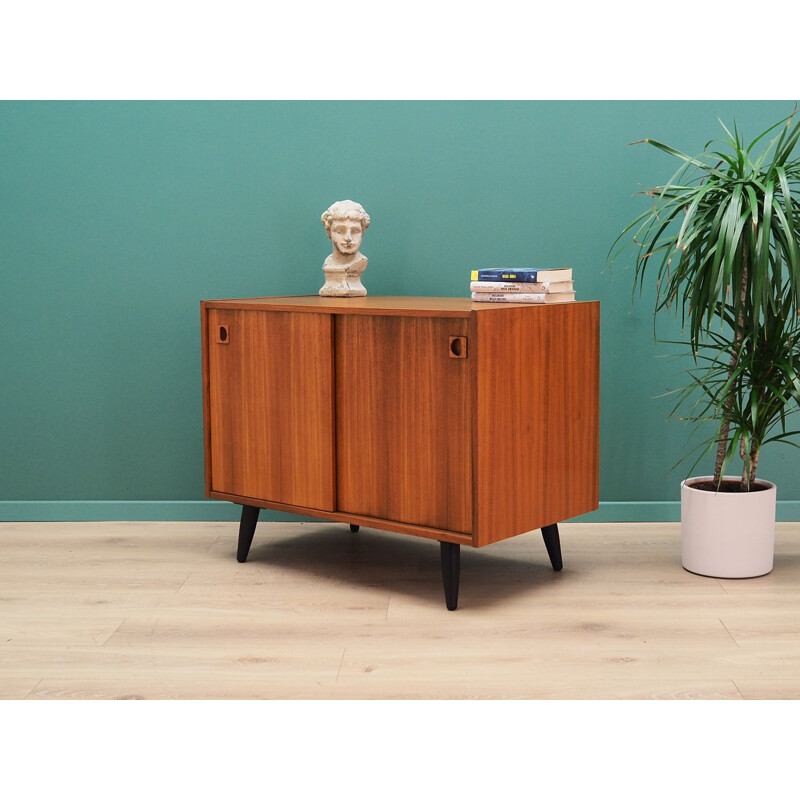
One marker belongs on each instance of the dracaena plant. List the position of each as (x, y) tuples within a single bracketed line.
[(723, 237)]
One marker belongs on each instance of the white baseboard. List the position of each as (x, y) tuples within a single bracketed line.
[(215, 510)]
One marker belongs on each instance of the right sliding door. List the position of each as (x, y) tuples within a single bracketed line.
[(404, 411)]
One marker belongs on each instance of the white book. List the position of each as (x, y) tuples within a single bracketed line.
[(522, 287), (510, 297)]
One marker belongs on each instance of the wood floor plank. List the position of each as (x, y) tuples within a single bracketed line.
[(17, 686), (65, 629), (224, 670), (164, 610)]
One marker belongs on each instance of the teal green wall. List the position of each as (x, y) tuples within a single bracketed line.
[(117, 218)]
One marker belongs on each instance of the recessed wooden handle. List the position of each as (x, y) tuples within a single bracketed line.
[(458, 347), (223, 334)]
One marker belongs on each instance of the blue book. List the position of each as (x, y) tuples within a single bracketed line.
[(531, 275)]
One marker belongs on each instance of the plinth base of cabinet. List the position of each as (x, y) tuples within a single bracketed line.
[(450, 552)]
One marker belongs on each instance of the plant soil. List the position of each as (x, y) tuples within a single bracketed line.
[(733, 487)]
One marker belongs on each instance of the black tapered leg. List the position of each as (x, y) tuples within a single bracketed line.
[(354, 528), (451, 569), (247, 527), (553, 545)]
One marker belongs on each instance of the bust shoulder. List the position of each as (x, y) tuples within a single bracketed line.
[(354, 265)]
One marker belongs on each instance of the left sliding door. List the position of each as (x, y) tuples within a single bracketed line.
[(270, 406)]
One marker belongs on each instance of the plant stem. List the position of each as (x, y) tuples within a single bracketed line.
[(753, 463), (724, 431), (745, 485)]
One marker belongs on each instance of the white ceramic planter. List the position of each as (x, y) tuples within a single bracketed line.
[(727, 535)]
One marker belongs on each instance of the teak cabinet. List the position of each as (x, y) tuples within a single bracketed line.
[(458, 421)]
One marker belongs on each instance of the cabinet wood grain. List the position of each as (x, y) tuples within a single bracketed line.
[(270, 406), (403, 420), (537, 418)]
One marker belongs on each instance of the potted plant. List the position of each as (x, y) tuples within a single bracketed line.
[(723, 239)]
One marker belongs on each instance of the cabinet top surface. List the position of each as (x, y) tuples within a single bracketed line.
[(443, 306)]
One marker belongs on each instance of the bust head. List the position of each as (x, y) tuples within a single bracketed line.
[(345, 223)]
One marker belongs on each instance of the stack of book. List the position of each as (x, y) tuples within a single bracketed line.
[(522, 285)]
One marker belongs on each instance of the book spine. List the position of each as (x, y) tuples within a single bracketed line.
[(521, 286), (520, 297), (529, 275), (508, 297)]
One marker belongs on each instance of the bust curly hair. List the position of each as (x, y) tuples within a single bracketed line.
[(345, 209)]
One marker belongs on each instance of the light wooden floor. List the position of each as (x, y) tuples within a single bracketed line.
[(163, 610)]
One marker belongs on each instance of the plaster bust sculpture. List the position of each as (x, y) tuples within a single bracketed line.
[(345, 223)]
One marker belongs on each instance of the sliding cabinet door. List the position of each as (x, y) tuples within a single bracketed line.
[(403, 419), (271, 406)]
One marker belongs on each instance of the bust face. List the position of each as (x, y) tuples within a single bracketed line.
[(346, 235)]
